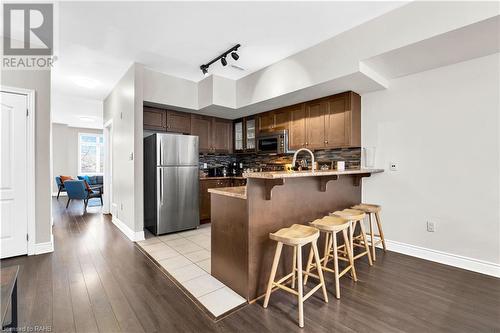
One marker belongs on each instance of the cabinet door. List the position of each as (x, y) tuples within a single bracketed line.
[(205, 197), (224, 183), (178, 122), (202, 127), (154, 119), (297, 131), (315, 124), (250, 134), (222, 135), (265, 122), (238, 136), (338, 120), (281, 119)]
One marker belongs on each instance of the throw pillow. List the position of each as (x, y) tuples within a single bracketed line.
[(65, 178)]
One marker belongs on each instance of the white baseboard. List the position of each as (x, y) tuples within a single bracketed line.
[(62, 194), (471, 264), (131, 234), (47, 247)]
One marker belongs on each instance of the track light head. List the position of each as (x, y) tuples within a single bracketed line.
[(235, 55), (223, 61), (204, 69)]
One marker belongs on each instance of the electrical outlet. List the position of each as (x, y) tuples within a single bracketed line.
[(393, 166), (431, 226), (131, 156)]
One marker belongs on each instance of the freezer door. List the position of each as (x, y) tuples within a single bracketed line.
[(187, 146), (175, 150), (178, 200)]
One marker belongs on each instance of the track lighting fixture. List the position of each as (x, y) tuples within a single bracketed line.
[(222, 57)]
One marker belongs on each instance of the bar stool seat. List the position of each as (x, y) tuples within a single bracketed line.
[(367, 208), (373, 210), (356, 216), (331, 225), (296, 236)]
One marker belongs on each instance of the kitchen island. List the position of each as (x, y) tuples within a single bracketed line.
[(243, 217)]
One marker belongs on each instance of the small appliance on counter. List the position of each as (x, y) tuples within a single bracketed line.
[(215, 172)]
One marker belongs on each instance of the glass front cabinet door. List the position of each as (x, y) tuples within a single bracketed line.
[(238, 136), (244, 135)]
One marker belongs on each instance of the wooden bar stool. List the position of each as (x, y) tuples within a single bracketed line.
[(297, 236), (355, 217), (371, 209), (331, 225)]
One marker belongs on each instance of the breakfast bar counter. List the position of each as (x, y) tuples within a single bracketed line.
[(242, 252)]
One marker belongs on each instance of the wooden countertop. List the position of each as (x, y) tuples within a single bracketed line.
[(318, 173), (239, 192)]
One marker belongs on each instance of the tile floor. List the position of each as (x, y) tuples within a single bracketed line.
[(186, 257)]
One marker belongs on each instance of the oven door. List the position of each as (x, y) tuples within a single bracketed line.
[(268, 145)]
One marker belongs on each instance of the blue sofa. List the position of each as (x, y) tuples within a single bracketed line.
[(93, 181)]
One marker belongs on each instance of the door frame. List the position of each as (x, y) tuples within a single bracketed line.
[(30, 161), (108, 166)]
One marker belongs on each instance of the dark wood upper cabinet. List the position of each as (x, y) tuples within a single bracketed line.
[(281, 119), (265, 122), (202, 127), (343, 123), (297, 127), (154, 119), (331, 122), (316, 113), (222, 135), (179, 122), (272, 121)]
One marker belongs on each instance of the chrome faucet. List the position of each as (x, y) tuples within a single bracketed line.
[(313, 165)]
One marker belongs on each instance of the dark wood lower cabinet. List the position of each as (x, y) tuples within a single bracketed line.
[(207, 183)]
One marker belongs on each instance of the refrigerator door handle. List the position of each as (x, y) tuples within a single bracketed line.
[(161, 186), (161, 153)]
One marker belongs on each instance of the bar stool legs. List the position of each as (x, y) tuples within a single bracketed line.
[(277, 254), (296, 236), (373, 212), (331, 226), (355, 217)]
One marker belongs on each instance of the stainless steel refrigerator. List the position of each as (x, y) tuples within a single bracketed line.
[(171, 183)]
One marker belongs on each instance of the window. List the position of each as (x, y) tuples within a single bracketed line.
[(91, 150)]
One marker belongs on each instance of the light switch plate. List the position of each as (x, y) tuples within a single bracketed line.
[(393, 166)]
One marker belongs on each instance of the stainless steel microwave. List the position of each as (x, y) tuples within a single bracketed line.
[(273, 143)]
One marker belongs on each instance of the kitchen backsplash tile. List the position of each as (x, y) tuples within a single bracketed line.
[(351, 156)]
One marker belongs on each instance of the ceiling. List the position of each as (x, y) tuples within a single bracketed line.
[(98, 41)]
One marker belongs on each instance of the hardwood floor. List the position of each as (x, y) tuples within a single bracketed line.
[(97, 280)]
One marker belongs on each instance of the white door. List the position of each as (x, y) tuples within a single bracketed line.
[(13, 190)]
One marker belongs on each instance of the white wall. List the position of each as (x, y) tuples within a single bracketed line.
[(169, 90), (442, 127), (124, 107), (38, 80), (65, 150)]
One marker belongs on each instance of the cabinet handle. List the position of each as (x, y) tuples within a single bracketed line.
[(306, 143), (326, 141)]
